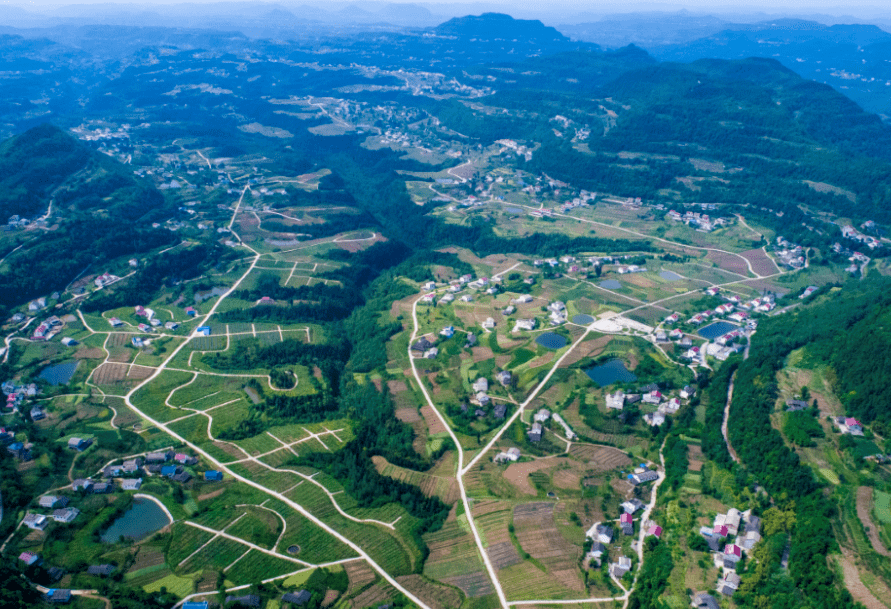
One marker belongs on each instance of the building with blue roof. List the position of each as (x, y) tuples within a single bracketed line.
[(213, 475)]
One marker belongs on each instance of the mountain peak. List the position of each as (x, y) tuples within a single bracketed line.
[(498, 26)]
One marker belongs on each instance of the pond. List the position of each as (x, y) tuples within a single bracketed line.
[(143, 518), (669, 275), (549, 340), (202, 296), (515, 210), (59, 374), (582, 320), (611, 372), (719, 328), (611, 284)]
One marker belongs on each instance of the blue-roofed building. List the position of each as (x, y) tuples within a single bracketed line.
[(168, 470), (195, 605), (213, 475), (205, 330)]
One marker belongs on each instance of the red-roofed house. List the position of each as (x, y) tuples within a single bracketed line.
[(655, 530), (732, 553)]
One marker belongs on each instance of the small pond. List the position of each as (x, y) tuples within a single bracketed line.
[(549, 340), (669, 275), (582, 320), (515, 210), (144, 517), (719, 328), (611, 284), (59, 374), (611, 372), (202, 296)]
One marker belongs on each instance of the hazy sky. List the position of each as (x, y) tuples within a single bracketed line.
[(859, 8)]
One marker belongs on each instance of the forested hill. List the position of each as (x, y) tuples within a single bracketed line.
[(497, 26), (45, 164)]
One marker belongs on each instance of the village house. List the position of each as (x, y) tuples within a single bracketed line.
[(101, 570), (600, 532), (213, 476), (466, 298), (654, 419), (643, 477), (674, 317), (65, 515), (705, 601), (448, 331), (53, 501), (431, 353), (621, 567), (132, 466), (795, 405), (159, 457), (504, 377), (301, 597), (632, 505), (509, 310), (567, 430), (447, 298), (523, 299), (511, 454), (850, 425), (729, 584), (596, 553), (36, 522), (248, 600), (481, 384), (542, 416), (525, 324), (79, 444), (654, 530), (687, 392), (535, 433), (29, 558), (82, 484), (489, 324), (615, 401), (499, 410), (627, 524), (131, 484), (732, 555), (185, 459)]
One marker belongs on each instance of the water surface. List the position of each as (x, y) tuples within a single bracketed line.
[(144, 517), (59, 374), (669, 275), (611, 372), (611, 284), (550, 340), (719, 328)]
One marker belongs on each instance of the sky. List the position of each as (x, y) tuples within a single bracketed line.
[(529, 8)]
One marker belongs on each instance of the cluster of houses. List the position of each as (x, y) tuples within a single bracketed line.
[(730, 536), (165, 463), (47, 329), (541, 418), (651, 395), (858, 260), (601, 535), (15, 400), (699, 221), (480, 390), (789, 254), (297, 598), (849, 232), (456, 287), (557, 313)]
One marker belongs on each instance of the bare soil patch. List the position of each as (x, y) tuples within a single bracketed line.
[(697, 460), (729, 262), (601, 458), (853, 584), (538, 535), (433, 423), (824, 187), (408, 415), (761, 262), (211, 495), (359, 574), (518, 474), (503, 555), (435, 595), (375, 596), (567, 478), (397, 386), (95, 353)]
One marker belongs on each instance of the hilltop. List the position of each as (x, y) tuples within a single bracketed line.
[(498, 26)]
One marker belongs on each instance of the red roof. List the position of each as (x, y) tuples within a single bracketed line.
[(850, 421), (625, 519), (733, 550), (721, 530)]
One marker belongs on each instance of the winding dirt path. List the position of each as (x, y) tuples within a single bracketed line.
[(864, 513)]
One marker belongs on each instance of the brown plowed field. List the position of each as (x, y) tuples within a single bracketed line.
[(433, 423), (602, 458), (503, 555), (729, 262), (864, 513), (538, 535), (761, 262), (518, 474), (435, 595)]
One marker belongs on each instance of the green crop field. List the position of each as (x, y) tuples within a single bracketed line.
[(882, 508)]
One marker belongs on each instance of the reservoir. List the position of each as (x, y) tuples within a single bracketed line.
[(59, 374), (669, 276), (719, 328), (144, 517), (611, 284), (611, 372), (549, 340), (582, 320)]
